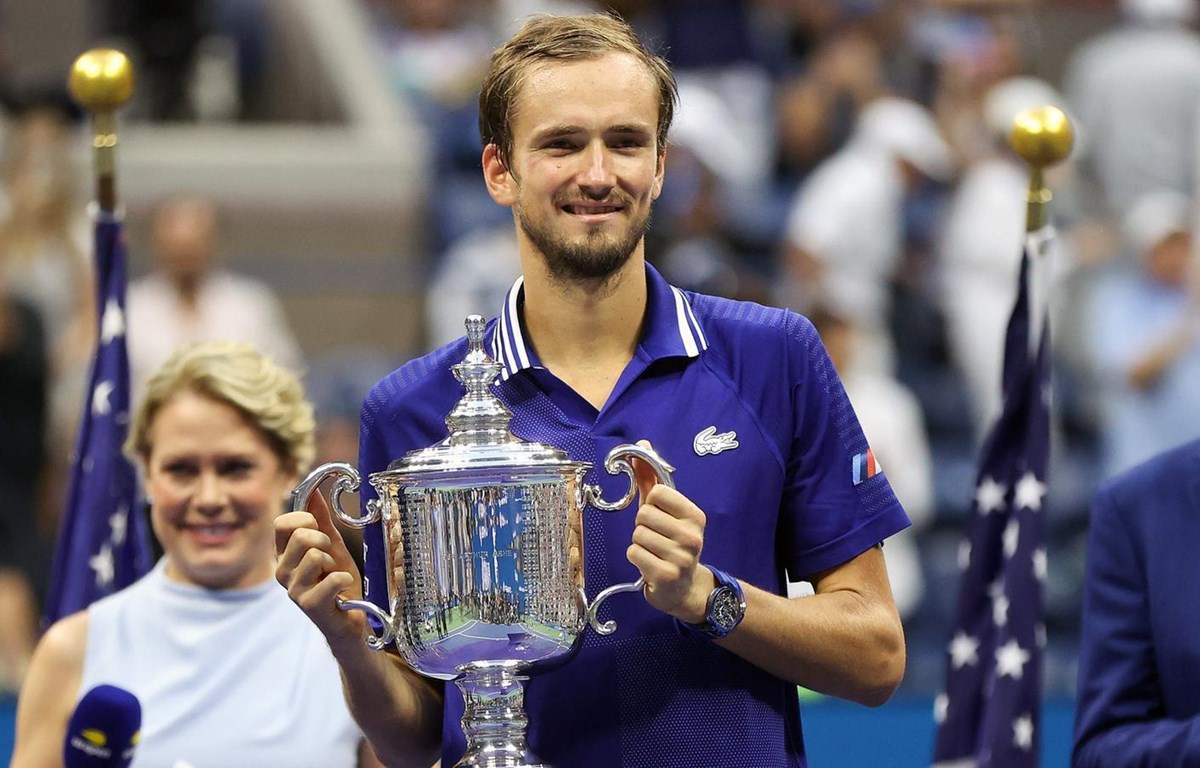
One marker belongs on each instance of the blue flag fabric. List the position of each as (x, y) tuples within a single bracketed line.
[(103, 542), (990, 711)]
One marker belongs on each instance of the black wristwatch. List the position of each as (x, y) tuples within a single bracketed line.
[(726, 607)]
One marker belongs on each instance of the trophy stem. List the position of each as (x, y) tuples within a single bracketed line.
[(494, 718)]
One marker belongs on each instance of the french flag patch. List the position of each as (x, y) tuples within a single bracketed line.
[(865, 466)]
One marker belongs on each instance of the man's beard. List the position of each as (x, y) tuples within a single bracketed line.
[(597, 256)]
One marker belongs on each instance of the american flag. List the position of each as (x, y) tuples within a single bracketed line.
[(103, 542), (989, 714)]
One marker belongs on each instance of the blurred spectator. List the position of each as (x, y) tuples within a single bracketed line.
[(24, 550), (435, 52), (472, 278), (1136, 91), (814, 108), (1144, 328), (894, 426), (195, 59), (845, 233), (188, 298), (44, 257)]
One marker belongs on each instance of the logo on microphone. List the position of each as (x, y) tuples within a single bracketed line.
[(93, 742)]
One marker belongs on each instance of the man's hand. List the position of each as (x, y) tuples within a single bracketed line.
[(667, 540), (315, 567)]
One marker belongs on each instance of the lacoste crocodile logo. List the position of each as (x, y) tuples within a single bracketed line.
[(708, 441)]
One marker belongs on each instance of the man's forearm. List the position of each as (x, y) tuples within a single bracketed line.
[(398, 710), (846, 640)]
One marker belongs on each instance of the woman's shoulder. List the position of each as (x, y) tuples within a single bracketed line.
[(64, 643)]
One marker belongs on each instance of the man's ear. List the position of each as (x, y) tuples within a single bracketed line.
[(659, 173), (497, 177)]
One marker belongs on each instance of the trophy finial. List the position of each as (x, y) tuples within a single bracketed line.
[(479, 418), (475, 327)]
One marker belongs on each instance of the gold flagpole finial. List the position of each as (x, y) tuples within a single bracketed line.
[(101, 81), (1042, 137)]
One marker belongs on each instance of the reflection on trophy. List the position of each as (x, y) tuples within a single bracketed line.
[(484, 557)]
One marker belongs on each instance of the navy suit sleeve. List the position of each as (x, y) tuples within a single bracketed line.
[(1120, 717)]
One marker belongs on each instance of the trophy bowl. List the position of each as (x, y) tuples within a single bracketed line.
[(484, 557)]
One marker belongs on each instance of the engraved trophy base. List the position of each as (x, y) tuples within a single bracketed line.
[(494, 718)]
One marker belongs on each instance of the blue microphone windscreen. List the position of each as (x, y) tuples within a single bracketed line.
[(103, 730)]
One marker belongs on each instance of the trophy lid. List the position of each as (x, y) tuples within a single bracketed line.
[(480, 442)]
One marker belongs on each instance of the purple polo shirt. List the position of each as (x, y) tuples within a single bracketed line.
[(744, 402)]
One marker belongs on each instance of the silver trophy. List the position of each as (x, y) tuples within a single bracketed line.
[(484, 557)]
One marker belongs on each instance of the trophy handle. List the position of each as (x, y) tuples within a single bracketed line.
[(616, 463), (376, 642), (347, 481)]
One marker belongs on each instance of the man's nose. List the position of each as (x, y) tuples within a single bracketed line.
[(597, 173)]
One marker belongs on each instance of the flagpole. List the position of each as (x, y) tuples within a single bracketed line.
[(1042, 137), (103, 539), (101, 81), (989, 714)]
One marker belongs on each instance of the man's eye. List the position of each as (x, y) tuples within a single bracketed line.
[(180, 470)]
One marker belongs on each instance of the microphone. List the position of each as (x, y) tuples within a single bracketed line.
[(103, 730)]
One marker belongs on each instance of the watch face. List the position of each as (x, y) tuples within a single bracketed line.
[(726, 609)]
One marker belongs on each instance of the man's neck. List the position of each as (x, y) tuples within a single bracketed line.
[(586, 332)]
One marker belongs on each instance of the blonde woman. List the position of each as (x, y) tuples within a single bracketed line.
[(227, 670)]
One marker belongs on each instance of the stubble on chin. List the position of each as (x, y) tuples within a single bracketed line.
[(595, 258)]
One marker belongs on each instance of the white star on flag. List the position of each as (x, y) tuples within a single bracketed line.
[(118, 522), (940, 704), (1010, 537), (1000, 610), (989, 496), (1039, 564), (1010, 660), (1023, 732), (100, 404), (112, 322), (964, 554), (102, 564), (964, 650), (1029, 492)]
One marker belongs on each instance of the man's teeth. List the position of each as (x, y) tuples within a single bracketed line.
[(592, 209)]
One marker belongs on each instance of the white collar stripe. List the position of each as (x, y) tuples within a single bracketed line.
[(498, 347), (685, 330), (505, 346), (515, 326), (695, 323)]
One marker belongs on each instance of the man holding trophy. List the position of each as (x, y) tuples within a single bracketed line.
[(592, 351)]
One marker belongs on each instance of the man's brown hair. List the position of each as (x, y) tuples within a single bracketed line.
[(546, 38)]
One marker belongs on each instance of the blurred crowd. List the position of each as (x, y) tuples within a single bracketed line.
[(844, 158)]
